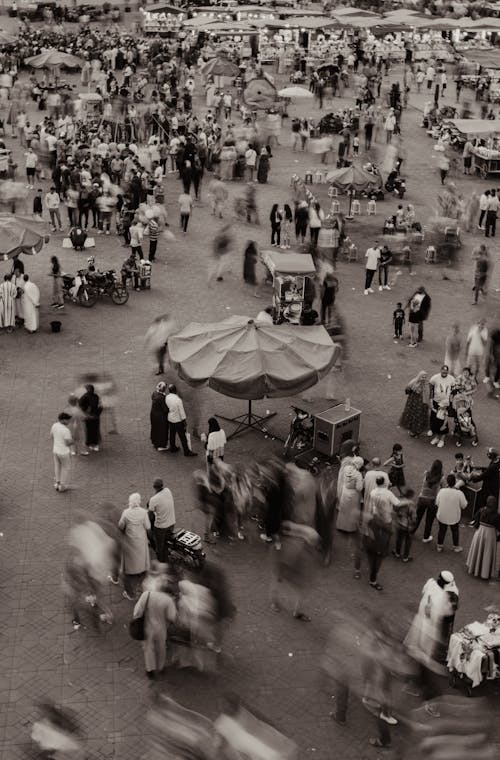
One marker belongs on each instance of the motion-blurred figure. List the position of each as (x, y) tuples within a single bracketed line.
[(58, 734), (156, 339), (429, 634), (291, 567), (91, 561)]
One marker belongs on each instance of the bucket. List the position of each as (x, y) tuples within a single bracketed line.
[(55, 326)]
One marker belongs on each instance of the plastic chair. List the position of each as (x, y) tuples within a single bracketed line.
[(333, 192), (352, 253), (356, 208), (335, 207), (371, 207), (318, 176), (308, 178)]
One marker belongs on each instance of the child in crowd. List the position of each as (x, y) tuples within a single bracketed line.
[(355, 145), (398, 319), (396, 472), (462, 470), (405, 519)]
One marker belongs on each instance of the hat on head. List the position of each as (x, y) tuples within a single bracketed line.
[(134, 500), (447, 577)]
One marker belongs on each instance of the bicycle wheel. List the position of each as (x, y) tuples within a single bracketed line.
[(87, 297), (119, 295)]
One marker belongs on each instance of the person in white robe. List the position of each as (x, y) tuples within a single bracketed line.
[(8, 293), (30, 303)]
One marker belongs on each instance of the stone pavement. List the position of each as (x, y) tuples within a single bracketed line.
[(272, 661)]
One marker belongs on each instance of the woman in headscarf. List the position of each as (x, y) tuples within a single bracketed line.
[(159, 418), (415, 417), (134, 524), (349, 507)]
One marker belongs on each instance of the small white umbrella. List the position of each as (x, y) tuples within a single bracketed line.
[(295, 92)]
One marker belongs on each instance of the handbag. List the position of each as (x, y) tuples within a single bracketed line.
[(136, 627)]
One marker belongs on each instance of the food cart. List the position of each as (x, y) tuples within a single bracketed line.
[(89, 105), (486, 134), (292, 275)]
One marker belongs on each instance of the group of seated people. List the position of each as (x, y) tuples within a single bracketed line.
[(402, 221)]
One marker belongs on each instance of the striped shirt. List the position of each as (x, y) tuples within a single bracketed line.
[(153, 229)]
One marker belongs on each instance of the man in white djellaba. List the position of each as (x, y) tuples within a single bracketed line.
[(30, 303)]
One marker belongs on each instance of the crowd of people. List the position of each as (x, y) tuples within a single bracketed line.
[(108, 172)]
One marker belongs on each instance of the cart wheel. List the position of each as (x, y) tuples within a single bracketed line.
[(314, 470), (483, 173), (87, 297), (119, 295)]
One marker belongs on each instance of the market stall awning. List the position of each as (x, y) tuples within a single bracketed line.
[(289, 263), (352, 11), (486, 24), (476, 126), (488, 59), (164, 8), (360, 22)]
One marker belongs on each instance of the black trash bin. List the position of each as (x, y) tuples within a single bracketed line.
[(55, 326)]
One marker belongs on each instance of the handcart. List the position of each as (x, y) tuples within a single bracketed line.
[(292, 275), (474, 654)]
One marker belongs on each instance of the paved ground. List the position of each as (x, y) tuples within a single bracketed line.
[(271, 660)]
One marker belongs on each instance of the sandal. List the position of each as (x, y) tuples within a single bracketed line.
[(376, 586)]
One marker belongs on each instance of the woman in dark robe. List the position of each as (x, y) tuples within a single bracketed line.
[(264, 166), (90, 403), (159, 418)]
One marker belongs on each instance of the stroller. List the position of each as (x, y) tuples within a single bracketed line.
[(464, 423)]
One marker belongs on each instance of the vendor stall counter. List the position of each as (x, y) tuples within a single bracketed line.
[(292, 274)]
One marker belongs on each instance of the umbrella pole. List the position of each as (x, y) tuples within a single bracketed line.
[(349, 215), (250, 421)]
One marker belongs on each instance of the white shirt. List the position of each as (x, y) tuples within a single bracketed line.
[(175, 406), (215, 443), (493, 203), (483, 202), (450, 502), (162, 504), (476, 340), (61, 438), (442, 387), (52, 200), (372, 257), (250, 157)]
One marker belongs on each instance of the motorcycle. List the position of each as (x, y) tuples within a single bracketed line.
[(77, 289), (395, 184), (185, 548), (87, 285), (107, 284), (300, 435)]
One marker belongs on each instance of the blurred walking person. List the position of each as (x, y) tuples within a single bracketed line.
[(134, 524), (290, 567), (159, 612)]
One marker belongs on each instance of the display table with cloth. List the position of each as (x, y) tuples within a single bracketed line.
[(474, 653)]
